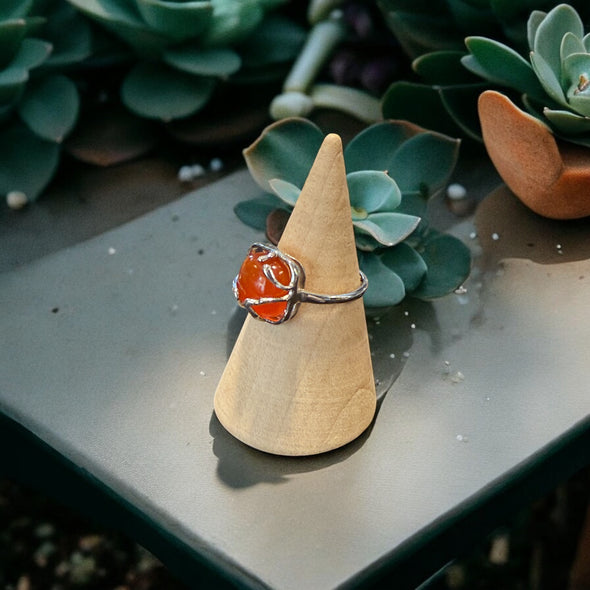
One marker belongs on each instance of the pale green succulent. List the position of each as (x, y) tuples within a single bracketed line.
[(433, 32), (38, 103), (184, 49), (393, 168), (555, 82)]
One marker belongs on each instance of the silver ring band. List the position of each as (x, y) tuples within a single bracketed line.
[(279, 280)]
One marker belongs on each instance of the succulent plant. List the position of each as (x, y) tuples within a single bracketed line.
[(555, 83), (38, 103), (398, 251), (183, 49), (432, 33)]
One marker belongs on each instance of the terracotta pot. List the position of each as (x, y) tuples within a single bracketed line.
[(549, 176)]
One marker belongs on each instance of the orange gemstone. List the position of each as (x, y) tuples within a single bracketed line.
[(251, 283)]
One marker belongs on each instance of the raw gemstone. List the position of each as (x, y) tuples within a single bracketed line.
[(252, 283)]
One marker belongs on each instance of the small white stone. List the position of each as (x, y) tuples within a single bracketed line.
[(202, 373), (392, 355), (112, 251), (462, 438), (456, 192), (461, 290), (16, 200), (413, 326), (406, 313), (458, 377), (185, 174), (473, 235), (216, 164), (406, 355), (495, 236), (197, 170)]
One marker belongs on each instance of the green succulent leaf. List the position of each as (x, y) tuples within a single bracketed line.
[(500, 64), (570, 44), (49, 107), (586, 42), (12, 32), (10, 9), (286, 191), (568, 123), (70, 36), (372, 191), (551, 30), (388, 228), (424, 163), (375, 147), (448, 261), (548, 79), (419, 103), (386, 288), (442, 67), (284, 150), (157, 91), (123, 20), (535, 19), (232, 22), (406, 263), (254, 212), (203, 62), (460, 101), (177, 20), (31, 53), (275, 40), (27, 163)]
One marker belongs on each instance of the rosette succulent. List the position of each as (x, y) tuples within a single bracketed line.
[(432, 32), (555, 83), (184, 48), (38, 103), (393, 168)]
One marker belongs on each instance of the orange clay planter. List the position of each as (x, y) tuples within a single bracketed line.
[(549, 176)]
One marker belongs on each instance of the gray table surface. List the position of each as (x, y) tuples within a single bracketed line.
[(111, 351)]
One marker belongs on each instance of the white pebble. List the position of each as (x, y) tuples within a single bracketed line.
[(413, 326), (462, 438), (16, 200), (197, 170), (406, 355), (456, 192), (185, 174), (392, 355), (458, 377), (216, 164), (202, 373), (112, 251), (473, 235), (495, 236)]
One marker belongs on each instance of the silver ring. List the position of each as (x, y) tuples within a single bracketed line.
[(270, 285)]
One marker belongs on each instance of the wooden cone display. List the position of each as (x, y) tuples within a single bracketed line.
[(306, 386)]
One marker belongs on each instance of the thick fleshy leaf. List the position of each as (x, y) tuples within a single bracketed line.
[(460, 101), (255, 211), (27, 163), (388, 228), (559, 21), (286, 191), (501, 65), (424, 163), (13, 78), (69, 33), (568, 123), (442, 67), (203, 62), (386, 288), (548, 79), (570, 44), (576, 71), (286, 150), (535, 19), (123, 20), (231, 23), (158, 92), (275, 40), (372, 191), (12, 32), (375, 147), (406, 263), (586, 42), (50, 107), (15, 8), (448, 261), (419, 103), (177, 20)]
